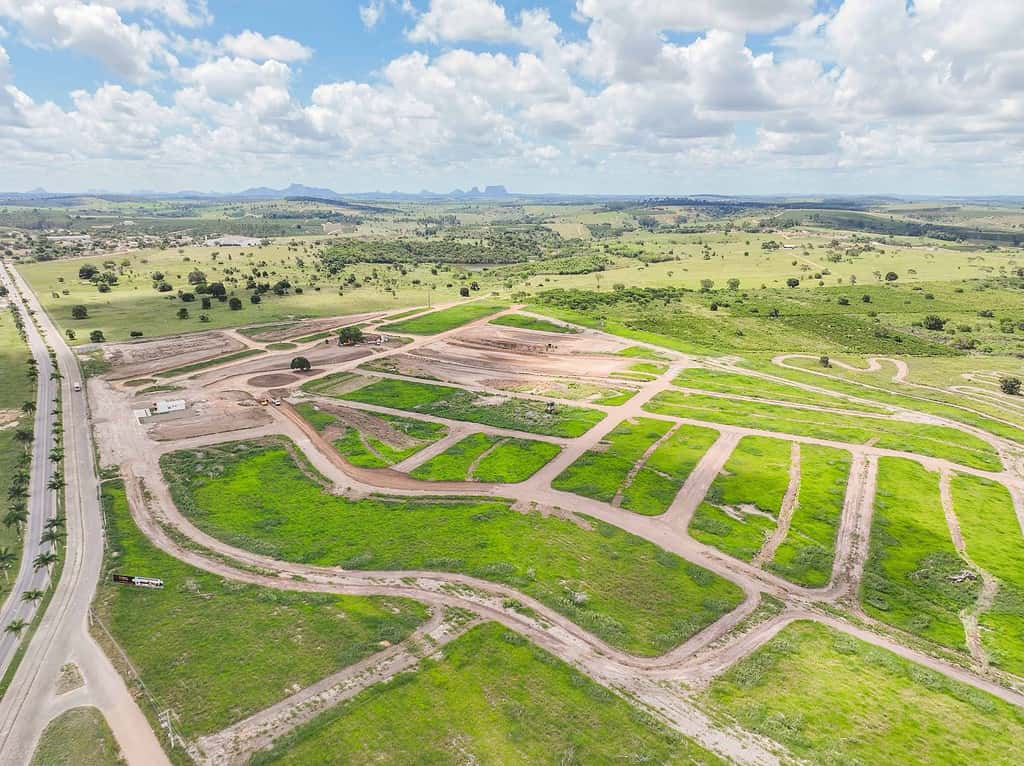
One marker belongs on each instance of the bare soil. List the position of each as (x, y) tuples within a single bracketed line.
[(274, 379), (136, 360)]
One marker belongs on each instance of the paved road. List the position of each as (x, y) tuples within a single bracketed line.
[(42, 501), (63, 635)]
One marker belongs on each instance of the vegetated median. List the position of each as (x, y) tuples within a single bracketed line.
[(625, 590), (214, 651), (502, 700), (508, 412), (445, 319)]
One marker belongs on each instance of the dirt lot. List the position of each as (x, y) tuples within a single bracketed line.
[(490, 336), (274, 379), (135, 360), (364, 422), (278, 363), (452, 360), (220, 414), (311, 326)]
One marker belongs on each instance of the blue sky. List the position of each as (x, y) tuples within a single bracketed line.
[(637, 96)]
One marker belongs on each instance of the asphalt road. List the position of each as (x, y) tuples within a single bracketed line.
[(63, 635), (42, 502)]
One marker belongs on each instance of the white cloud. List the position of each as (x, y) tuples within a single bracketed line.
[(371, 13), (448, 20), (230, 79), (253, 45)]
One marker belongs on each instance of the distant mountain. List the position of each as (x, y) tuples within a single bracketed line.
[(295, 190)]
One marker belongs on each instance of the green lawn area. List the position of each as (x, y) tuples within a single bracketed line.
[(746, 385), (624, 589), (176, 371), (497, 459), (78, 737), (993, 539), (215, 651), (15, 390), (662, 475), (806, 555), (493, 698), (458, 404), (599, 473), (744, 501), (524, 322), (445, 319), (911, 557), (367, 451), (933, 441), (833, 699)]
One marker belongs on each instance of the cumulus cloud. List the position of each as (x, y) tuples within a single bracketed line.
[(253, 45)]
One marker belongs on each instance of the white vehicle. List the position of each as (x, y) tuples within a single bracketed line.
[(77, 386), (276, 402)]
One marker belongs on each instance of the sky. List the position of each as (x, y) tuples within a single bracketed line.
[(543, 96)]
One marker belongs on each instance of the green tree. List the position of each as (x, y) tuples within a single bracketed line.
[(350, 335), (183, 313), (235, 304), (79, 311), (792, 282), (1010, 386), (44, 560), (7, 558), (891, 276), (300, 363), (96, 336), (16, 626)]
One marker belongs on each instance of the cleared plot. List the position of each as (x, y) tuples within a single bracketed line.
[(747, 385), (524, 322), (934, 441), (806, 555), (492, 698), (599, 474), (195, 367), (458, 404), (215, 651), (833, 699), (369, 448), (480, 457), (662, 475), (445, 319), (328, 385), (912, 567), (742, 505), (629, 592), (78, 737), (992, 536)]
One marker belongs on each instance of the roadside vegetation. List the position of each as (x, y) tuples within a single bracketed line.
[(626, 590), (831, 698), (526, 322), (458, 404), (78, 737), (214, 651), (502, 700), (911, 575), (743, 503), (807, 553), (993, 541)]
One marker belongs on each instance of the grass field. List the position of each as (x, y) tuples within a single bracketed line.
[(214, 651), (326, 384), (458, 404), (627, 591), (742, 504), (993, 540), (480, 457), (744, 385), (365, 450), (525, 322), (662, 475), (832, 699), (492, 698), (78, 737), (599, 473), (445, 319), (932, 441), (806, 555), (911, 557)]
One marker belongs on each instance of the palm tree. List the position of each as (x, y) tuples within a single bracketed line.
[(28, 408), (15, 517), (56, 482), (23, 436), (16, 626), (6, 560), (32, 595), (56, 454), (44, 560), (52, 536), (57, 522)]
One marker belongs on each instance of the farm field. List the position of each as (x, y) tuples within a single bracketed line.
[(909, 576), (216, 651), (993, 541), (502, 699), (445, 319), (480, 457), (458, 404), (928, 440), (621, 577), (810, 682), (742, 506), (78, 737)]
